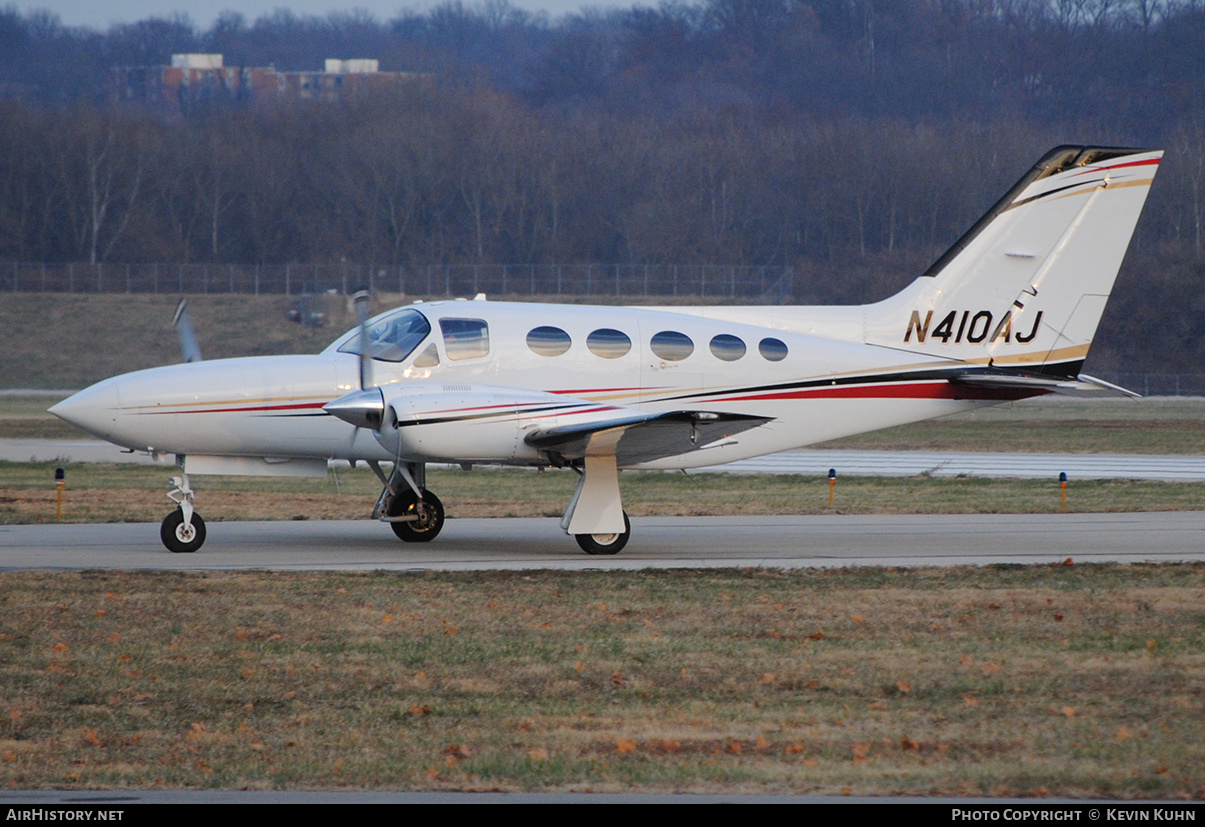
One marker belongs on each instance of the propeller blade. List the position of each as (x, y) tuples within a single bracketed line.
[(361, 298), (188, 339)]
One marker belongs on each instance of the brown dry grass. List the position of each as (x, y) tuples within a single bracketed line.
[(1069, 681), (1186, 437)]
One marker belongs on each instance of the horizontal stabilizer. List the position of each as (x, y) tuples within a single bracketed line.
[(1082, 385), (635, 438)]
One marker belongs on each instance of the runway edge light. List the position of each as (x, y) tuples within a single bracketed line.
[(60, 479)]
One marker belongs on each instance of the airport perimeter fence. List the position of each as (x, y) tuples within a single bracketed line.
[(769, 284)]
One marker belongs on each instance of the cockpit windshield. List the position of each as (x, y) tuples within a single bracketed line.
[(392, 338)]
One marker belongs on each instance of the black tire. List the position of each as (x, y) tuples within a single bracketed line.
[(605, 543), (177, 540), (431, 516)]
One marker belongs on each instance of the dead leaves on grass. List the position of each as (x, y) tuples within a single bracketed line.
[(735, 747)]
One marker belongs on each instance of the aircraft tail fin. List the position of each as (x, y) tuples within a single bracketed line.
[(1025, 287)]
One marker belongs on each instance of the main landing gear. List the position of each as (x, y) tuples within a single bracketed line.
[(183, 530), (595, 513), (605, 543), (415, 514)]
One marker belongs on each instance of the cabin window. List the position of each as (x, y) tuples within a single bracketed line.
[(727, 348), (465, 338), (608, 343), (773, 350), (672, 346), (429, 358), (392, 338), (548, 341)]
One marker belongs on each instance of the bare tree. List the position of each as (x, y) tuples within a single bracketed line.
[(101, 162)]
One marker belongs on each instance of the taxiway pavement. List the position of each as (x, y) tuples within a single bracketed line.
[(657, 542)]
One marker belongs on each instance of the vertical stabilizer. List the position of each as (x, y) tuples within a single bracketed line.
[(1027, 284)]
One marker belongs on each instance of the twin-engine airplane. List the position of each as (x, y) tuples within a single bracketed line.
[(1007, 313)]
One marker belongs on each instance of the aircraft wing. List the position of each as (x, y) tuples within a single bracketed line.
[(635, 437)]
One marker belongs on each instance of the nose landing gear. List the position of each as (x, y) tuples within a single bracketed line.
[(414, 513), (183, 530), (421, 519)]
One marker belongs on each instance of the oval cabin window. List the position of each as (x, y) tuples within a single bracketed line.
[(727, 348), (548, 341), (672, 346), (773, 350), (608, 343)]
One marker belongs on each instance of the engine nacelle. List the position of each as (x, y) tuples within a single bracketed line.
[(464, 423)]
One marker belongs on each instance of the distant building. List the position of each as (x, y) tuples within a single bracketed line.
[(194, 81)]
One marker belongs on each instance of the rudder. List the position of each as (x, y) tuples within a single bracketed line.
[(1027, 284)]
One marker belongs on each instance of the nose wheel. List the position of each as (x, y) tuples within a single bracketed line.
[(426, 516), (182, 537), (183, 530)]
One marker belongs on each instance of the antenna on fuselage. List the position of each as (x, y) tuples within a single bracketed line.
[(188, 339)]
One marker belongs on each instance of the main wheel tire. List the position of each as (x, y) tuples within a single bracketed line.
[(605, 543), (181, 539), (430, 516)]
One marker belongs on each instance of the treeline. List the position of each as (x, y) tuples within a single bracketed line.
[(447, 174), (439, 173), (850, 139)]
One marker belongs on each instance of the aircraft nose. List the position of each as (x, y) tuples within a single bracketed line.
[(93, 409)]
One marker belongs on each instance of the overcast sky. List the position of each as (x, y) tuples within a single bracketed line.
[(100, 15)]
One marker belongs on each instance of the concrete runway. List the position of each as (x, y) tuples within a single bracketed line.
[(657, 542)]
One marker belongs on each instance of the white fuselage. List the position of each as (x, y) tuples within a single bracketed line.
[(813, 387)]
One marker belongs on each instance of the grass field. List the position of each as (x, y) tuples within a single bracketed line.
[(1058, 425), (1005, 681), (73, 340)]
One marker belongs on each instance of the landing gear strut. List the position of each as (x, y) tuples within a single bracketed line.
[(415, 514), (595, 513), (183, 530)]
